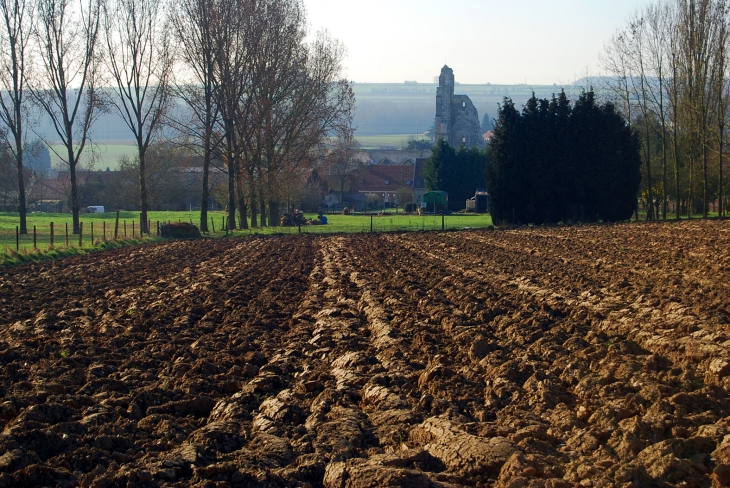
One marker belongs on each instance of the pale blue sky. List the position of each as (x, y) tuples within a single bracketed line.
[(505, 42)]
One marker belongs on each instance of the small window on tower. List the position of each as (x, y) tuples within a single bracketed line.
[(463, 104), (463, 139), (387, 182)]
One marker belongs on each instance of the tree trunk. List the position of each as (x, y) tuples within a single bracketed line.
[(664, 170), (262, 207), (273, 214), (721, 196), (142, 192), (204, 196), (705, 201), (676, 179), (21, 189), (231, 195), (650, 207), (242, 208), (252, 199), (691, 197), (74, 188)]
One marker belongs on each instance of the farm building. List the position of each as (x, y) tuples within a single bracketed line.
[(378, 186), (479, 203)]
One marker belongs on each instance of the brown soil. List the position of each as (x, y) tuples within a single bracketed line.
[(545, 357)]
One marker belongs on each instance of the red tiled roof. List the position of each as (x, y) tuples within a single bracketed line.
[(384, 178)]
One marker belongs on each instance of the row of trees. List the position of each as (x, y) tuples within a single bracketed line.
[(457, 172), (235, 81), (668, 75), (558, 161)]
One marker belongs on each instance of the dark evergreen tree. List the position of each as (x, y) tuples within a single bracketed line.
[(436, 168), (556, 162), (620, 167), (459, 173), (506, 165), (487, 123), (559, 149), (466, 176)]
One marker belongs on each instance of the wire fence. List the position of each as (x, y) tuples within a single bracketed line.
[(92, 232), (59, 235)]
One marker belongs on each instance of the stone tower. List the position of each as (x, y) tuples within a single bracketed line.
[(457, 120), (444, 95)]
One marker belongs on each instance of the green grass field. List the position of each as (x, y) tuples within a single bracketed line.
[(107, 156), (375, 141), (102, 226)]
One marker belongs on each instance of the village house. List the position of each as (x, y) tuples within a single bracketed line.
[(378, 186)]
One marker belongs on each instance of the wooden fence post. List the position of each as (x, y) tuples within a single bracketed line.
[(371, 222), (66, 234), (51, 234), (92, 233), (17, 238), (125, 229), (159, 231), (35, 239), (81, 234), (212, 223), (103, 228), (116, 227), (133, 234), (442, 221)]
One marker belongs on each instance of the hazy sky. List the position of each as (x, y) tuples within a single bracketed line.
[(505, 42)]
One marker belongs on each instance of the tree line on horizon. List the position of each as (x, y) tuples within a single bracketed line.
[(237, 83), (668, 75)]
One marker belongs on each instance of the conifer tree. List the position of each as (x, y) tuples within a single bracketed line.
[(557, 162), (459, 173)]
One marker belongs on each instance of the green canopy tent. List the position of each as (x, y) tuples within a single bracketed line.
[(437, 197)]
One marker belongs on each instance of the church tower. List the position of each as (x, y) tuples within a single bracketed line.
[(444, 95), (457, 119)]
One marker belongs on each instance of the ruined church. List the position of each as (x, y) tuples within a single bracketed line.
[(457, 120)]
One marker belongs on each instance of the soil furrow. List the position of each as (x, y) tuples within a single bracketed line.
[(576, 356)]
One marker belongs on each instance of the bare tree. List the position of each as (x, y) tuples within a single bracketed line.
[(656, 44), (699, 21), (616, 61), (261, 97), (341, 161), (278, 62), (640, 84), (236, 31), (677, 52), (17, 18), (722, 94), (139, 58), (675, 89), (315, 104), (66, 88), (192, 25), (723, 105)]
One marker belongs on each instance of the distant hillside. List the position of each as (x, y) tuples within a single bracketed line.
[(393, 111), (408, 108)]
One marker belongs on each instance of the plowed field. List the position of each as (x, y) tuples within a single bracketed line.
[(579, 356)]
